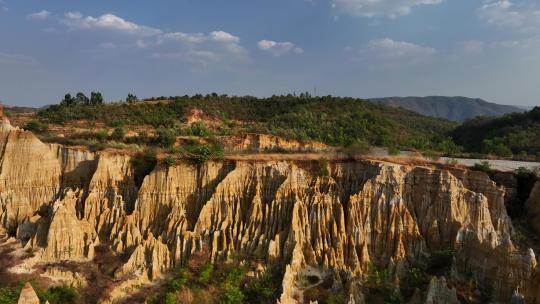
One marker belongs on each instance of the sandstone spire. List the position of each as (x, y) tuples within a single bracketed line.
[(28, 295)]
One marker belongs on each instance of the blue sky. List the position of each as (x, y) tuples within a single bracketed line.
[(362, 48)]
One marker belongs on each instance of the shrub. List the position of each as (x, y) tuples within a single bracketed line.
[(359, 147), (59, 295), (198, 129), (205, 274), (118, 134), (375, 276), (170, 298), (178, 281), (35, 126), (100, 136), (267, 287), (393, 150), (201, 153), (230, 286), (141, 138), (483, 167), (170, 161), (231, 294), (8, 296), (165, 138)]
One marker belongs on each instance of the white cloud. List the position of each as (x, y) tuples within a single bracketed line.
[(42, 15), (183, 37), (75, 20), (189, 46), (222, 36), (522, 15), (375, 8), (279, 48)]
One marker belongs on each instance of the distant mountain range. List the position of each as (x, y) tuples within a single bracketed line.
[(16, 109), (451, 108)]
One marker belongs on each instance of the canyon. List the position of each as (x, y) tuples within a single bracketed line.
[(339, 221)]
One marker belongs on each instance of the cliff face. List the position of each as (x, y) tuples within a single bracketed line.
[(361, 214)]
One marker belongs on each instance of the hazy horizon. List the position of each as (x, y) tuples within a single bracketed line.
[(359, 48)]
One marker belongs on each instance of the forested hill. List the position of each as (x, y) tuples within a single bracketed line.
[(332, 120), (517, 133), (451, 108)]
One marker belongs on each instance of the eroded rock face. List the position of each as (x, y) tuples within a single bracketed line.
[(269, 143), (63, 203), (28, 295), (30, 177), (439, 292)]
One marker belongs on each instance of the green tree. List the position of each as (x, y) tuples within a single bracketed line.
[(81, 99), (96, 98), (68, 100), (131, 98)]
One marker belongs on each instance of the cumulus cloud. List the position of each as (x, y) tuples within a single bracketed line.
[(75, 20), (42, 15), (507, 14), (279, 48), (193, 47), (222, 36), (375, 8), (183, 37)]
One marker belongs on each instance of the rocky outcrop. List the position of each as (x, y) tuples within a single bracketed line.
[(359, 215), (269, 143), (28, 295), (30, 177), (68, 238), (439, 292)]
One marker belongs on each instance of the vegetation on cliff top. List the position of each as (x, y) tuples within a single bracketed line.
[(336, 121), (332, 120), (517, 133)]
